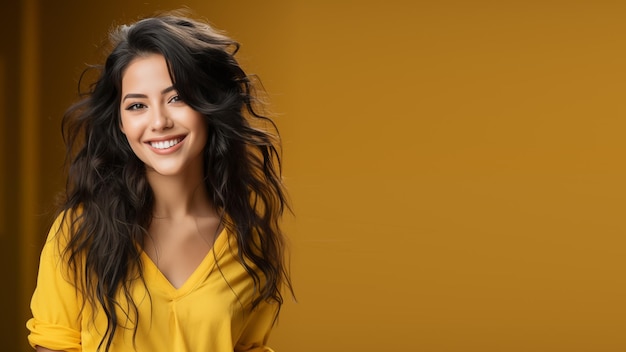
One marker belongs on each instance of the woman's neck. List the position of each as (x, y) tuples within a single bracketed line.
[(176, 197)]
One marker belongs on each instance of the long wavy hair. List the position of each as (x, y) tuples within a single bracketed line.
[(108, 198)]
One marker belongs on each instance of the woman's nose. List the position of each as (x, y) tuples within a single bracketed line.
[(160, 119)]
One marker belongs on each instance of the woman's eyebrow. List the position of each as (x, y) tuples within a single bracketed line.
[(143, 96)]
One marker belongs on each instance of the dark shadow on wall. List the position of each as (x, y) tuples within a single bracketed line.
[(13, 329)]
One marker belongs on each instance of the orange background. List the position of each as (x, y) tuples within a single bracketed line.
[(456, 167)]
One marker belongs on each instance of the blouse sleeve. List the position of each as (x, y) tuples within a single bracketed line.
[(257, 330), (55, 306)]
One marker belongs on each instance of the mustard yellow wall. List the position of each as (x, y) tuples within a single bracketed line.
[(456, 167)]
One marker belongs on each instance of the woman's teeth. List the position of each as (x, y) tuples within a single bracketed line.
[(165, 144)]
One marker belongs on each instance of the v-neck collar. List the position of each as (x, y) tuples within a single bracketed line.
[(155, 279)]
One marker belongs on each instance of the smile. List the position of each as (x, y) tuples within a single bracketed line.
[(165, 144)]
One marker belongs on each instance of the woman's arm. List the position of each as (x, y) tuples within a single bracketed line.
[(43, 349), (257, 329), (55, 322)]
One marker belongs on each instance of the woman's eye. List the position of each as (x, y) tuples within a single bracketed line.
[(174, 99), (135, 106)]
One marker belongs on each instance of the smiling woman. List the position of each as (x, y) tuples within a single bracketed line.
[(169, 231)]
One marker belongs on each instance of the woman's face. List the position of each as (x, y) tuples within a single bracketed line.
[(163, 131)]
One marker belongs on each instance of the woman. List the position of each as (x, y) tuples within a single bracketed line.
[(169, 237)]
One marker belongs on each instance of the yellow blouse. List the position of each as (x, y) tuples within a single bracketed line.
[(210, 312)]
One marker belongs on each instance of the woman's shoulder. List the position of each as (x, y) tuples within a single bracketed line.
[(64, 222)]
